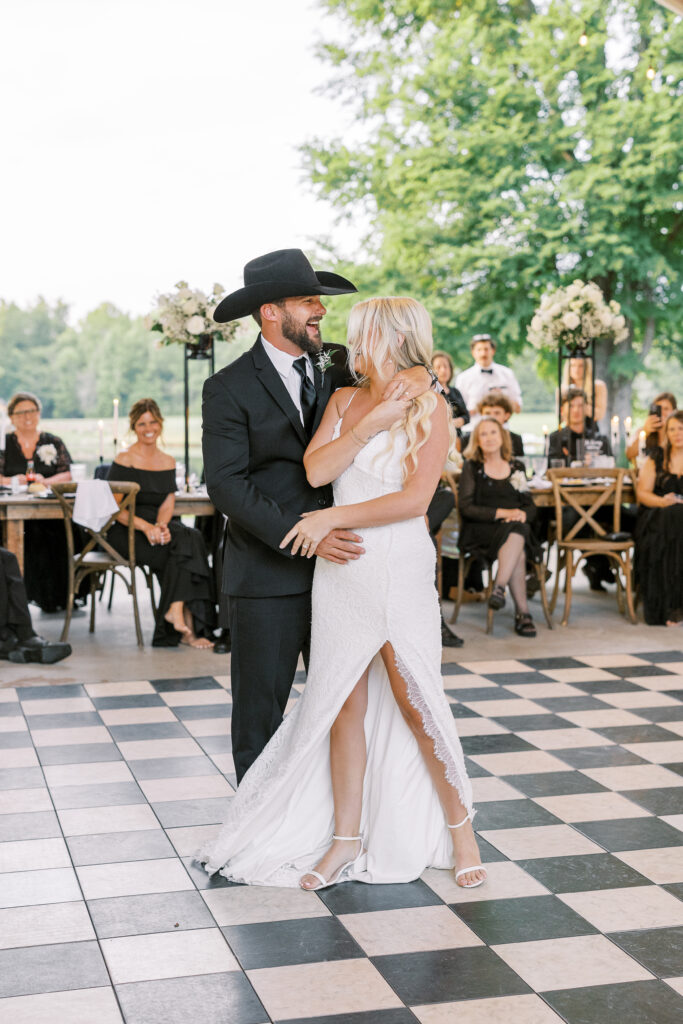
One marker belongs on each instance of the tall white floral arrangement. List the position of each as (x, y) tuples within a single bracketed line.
[(574, 316), (183, 316)]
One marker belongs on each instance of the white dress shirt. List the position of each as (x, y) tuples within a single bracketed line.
[(475, 382), (284, 364)]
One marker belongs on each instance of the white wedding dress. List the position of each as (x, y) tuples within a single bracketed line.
[(280, 821)]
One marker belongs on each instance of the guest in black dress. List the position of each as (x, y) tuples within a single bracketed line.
[(46, 560), (654, 427), (442, 365), (659, 533), (499, 406), (175, 553), (497, 513)]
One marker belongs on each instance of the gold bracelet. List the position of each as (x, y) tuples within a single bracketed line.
[(357, 439)]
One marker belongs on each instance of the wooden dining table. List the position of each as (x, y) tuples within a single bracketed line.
[(16, 509)]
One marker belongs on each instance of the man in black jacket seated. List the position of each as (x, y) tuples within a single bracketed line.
[(259, 413), (18, 640)]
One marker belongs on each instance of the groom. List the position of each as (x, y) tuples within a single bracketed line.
[(259, 413)]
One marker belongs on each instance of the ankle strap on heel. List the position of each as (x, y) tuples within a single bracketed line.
[(347, 839), (460, 823)]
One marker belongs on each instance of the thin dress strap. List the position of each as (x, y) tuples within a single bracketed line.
[(341, 418)]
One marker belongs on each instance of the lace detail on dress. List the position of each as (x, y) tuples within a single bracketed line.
[(456, 775)]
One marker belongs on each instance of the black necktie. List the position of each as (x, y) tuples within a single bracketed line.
[(485, 371), (307, 395)]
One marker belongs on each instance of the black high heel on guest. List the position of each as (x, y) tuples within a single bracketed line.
[(524, 625), (497, 598)]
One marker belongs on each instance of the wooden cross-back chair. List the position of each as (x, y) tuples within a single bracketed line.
[(616, 546), (457, 594), (94, 563)]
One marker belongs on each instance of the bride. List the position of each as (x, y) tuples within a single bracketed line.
[(365, 779)]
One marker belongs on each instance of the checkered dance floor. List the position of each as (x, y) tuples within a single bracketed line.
[(106, 790)]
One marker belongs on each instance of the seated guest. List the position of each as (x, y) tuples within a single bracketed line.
[(18, 640), (499, 406), (175, 553), (654, 427), (442, 365), (487, 375), (659, 533), (577, 373), (28, 448), (567, 443), (497, 511)]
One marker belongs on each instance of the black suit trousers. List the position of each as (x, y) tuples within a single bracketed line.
[(15, 618), (267, 634)]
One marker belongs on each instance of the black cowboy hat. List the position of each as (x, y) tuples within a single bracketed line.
[(278, 275)]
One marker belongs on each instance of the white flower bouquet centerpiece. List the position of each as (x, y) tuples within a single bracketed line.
[(574, 316), (185, 317)]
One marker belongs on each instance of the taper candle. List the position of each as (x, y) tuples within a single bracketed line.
[(116, 420), (615, 435), (641, 442), (100, 431)]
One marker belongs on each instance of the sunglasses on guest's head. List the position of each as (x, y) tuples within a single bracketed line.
[(481, 337)]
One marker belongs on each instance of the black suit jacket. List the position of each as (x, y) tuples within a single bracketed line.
[(253, 443), (562, 444)]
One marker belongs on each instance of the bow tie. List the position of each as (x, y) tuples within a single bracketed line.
[(482, 370)]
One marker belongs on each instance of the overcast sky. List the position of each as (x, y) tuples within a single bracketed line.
[(147, 141)]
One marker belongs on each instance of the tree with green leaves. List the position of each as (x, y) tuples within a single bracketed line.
[(504, 148)]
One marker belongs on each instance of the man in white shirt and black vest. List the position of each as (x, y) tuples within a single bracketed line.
[(486, 375)]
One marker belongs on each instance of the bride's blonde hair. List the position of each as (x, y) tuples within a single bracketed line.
[(397, 331)]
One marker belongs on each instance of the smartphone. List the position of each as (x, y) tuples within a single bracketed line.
[(656, 410)]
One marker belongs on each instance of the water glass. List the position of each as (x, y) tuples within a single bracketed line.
[(78, 471)]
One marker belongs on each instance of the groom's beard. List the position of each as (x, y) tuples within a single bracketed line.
[(298, 334)]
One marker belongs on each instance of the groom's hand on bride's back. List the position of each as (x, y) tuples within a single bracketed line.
[(340, 546)]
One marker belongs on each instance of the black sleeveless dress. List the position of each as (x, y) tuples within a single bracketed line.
[(181, 566), (659, 553), (46, 565), (479, 496)]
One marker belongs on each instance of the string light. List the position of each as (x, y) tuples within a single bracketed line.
[(650, 73), (583, 39)]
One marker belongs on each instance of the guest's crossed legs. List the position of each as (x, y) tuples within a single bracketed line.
[(347, 764)]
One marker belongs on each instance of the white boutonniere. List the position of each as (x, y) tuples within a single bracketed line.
[(519, 481), (47, 453), (324, 362)]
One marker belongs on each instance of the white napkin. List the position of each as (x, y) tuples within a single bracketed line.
[(94, 504)]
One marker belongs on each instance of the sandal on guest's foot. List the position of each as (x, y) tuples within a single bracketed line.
[(341, 873), (524, 625), (497, 598), (472, 868)]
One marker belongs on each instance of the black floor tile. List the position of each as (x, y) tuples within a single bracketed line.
[(209, 998), (15, 740), (678, 768), (497, 814), (358, 898), (451, 668), (517, 678), (448, 975), (180, 813), (488, 853), (200, 877), (104, 794), (459, 710), (112, 847), (67, 721), (583, 873), (29, 693), (645, 733), (79, 753), (55, 968), (28, 825), (559, 704), (21, 778), (530, 723), (499, 743), (155, 912), (607, 686), (13, 710), (634, 671), (218, 711), (661, 657), (676, 889), (399, 1016), (530, 919), (554, 784), (660, 950), (179, 685), (283, 943), (148, 731), (475, 771), (172, 767), (597, 757), (674, 713), (630, 833), (471, 694), (634, 1002), (658, 801), (215, 744), (137, 700), (550, 664)]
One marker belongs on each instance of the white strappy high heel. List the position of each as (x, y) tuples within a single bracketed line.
[(464, 871), (344, 869)]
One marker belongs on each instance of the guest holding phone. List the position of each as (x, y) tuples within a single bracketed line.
[(654, 426)]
